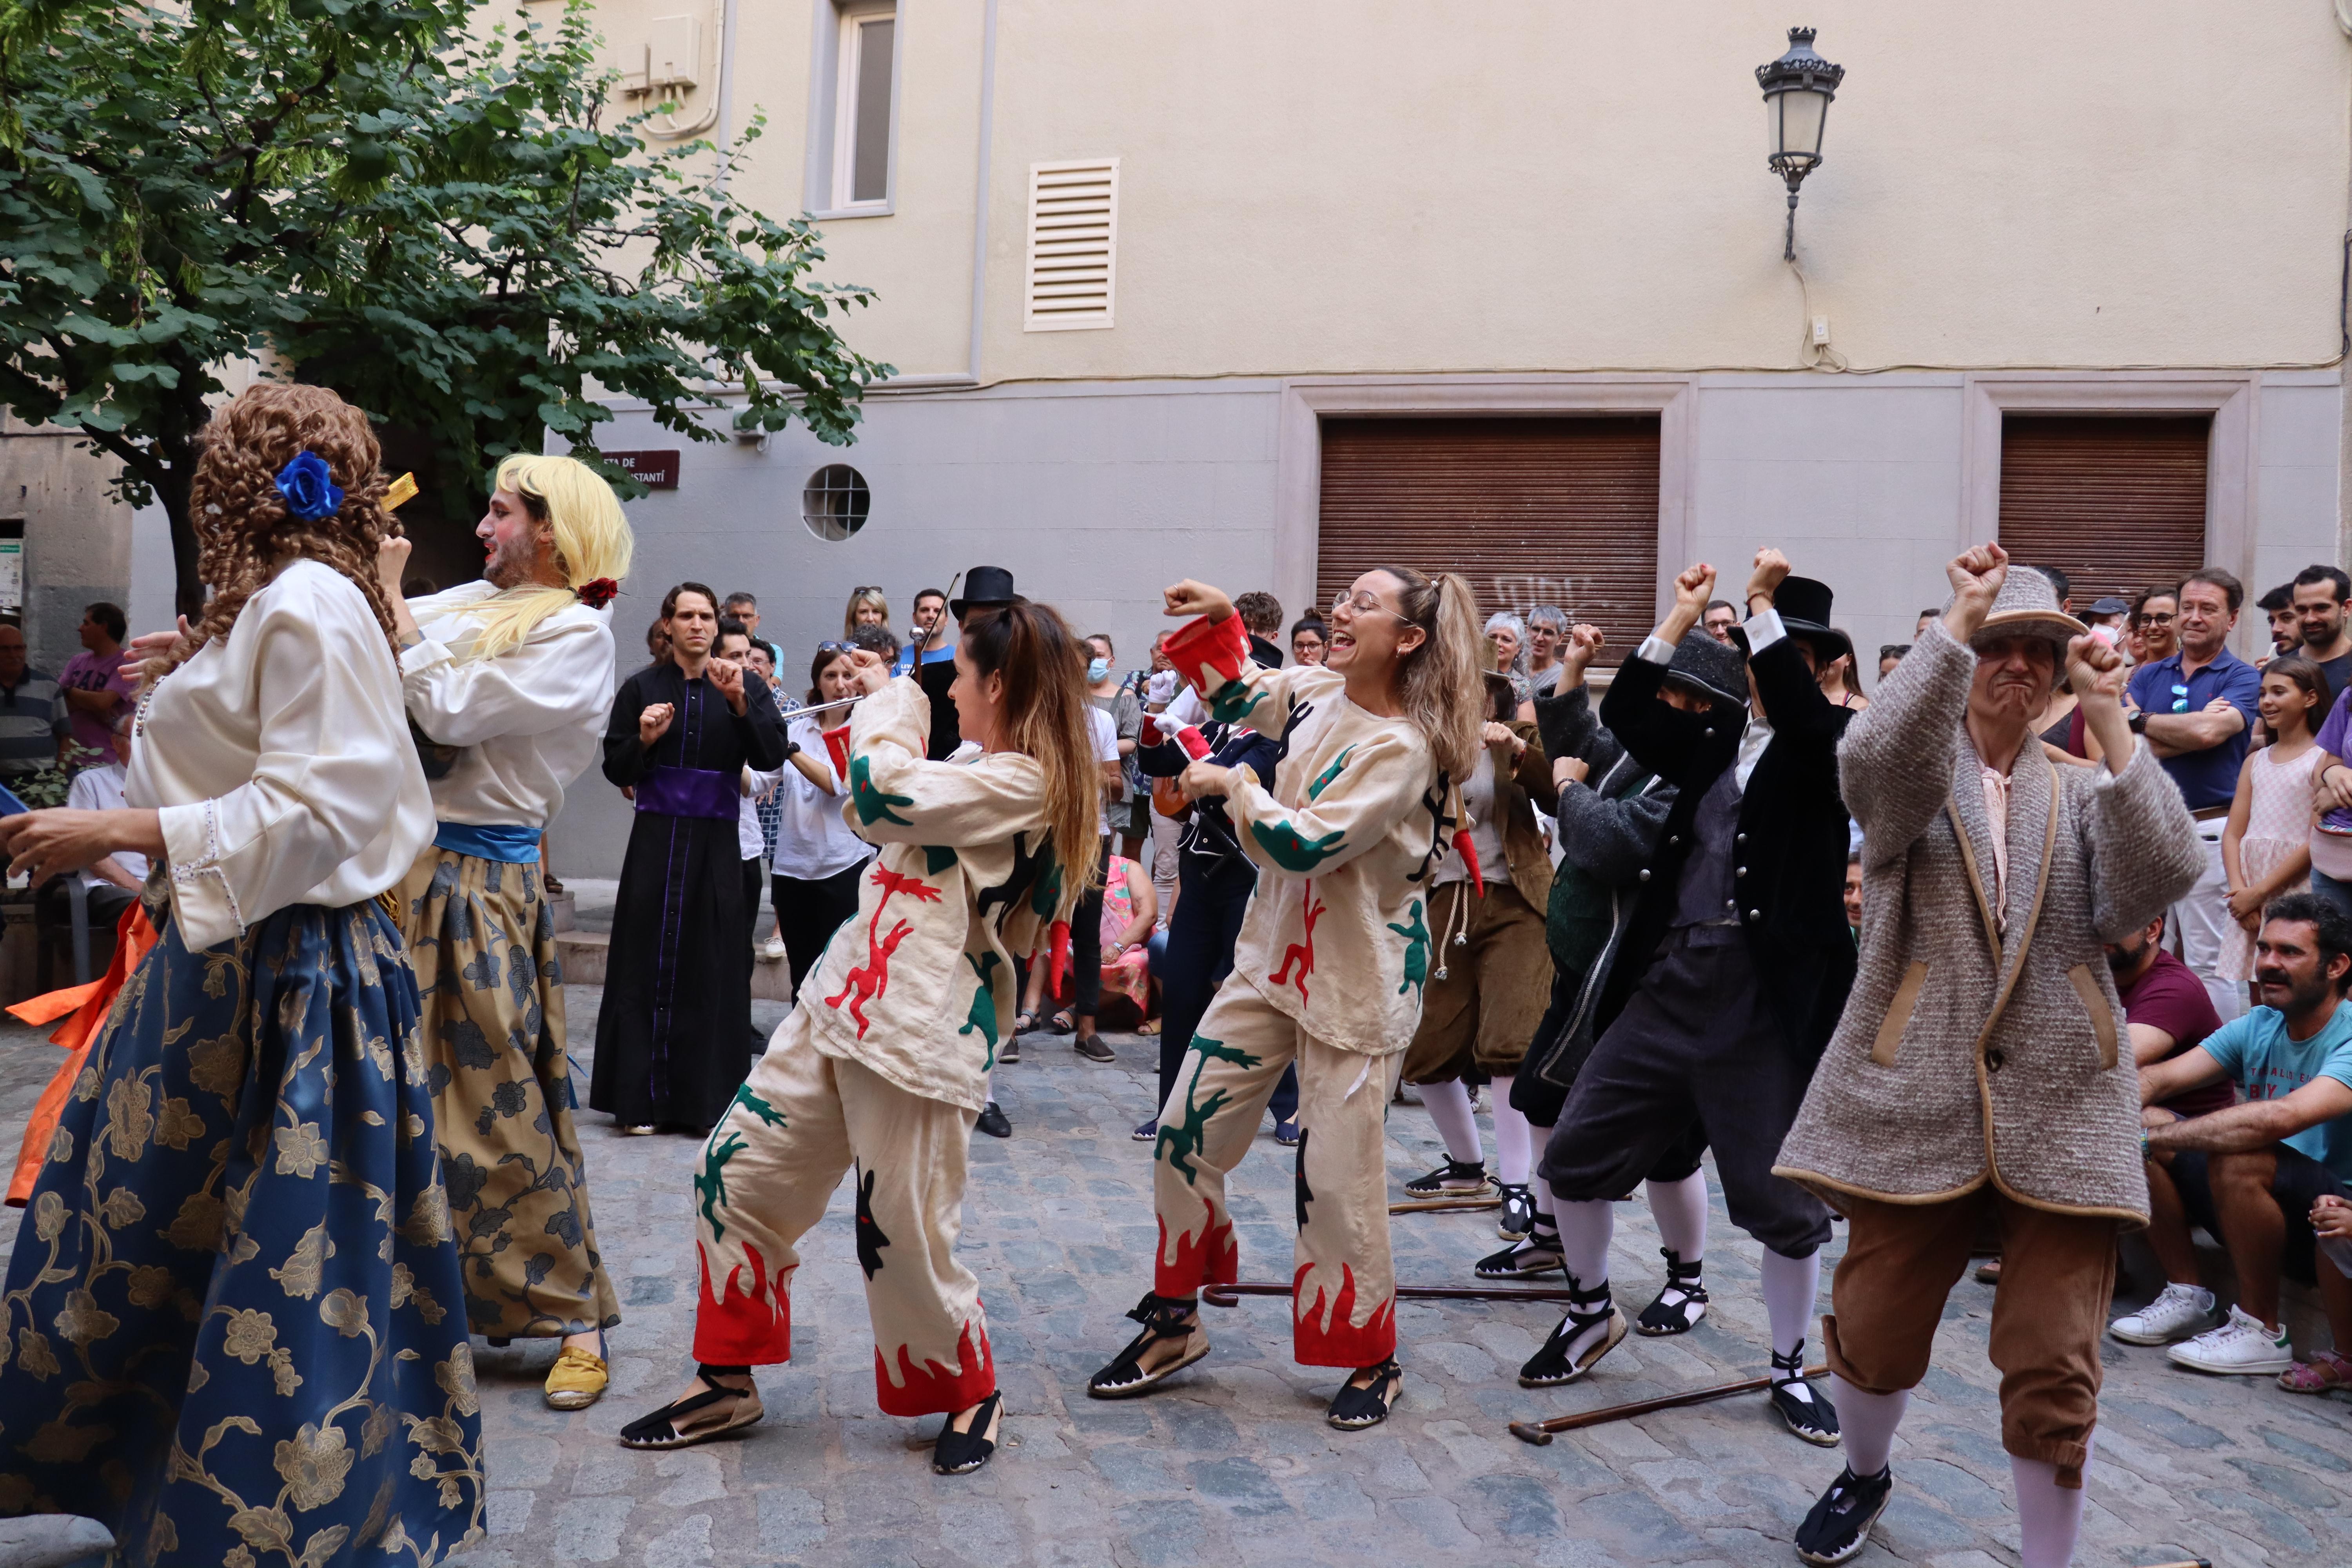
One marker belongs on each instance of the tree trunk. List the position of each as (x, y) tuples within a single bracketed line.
[(171, 491)]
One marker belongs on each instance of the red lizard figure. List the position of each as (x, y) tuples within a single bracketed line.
[(1303, 956), (867, 982)]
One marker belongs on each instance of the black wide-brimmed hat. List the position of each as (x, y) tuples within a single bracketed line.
[(1713, 668), (986, 586), (1804, 606)]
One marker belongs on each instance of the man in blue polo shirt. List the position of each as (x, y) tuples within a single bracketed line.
[(2194, 708)]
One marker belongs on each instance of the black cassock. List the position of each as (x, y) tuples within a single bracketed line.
[(673, 1038)]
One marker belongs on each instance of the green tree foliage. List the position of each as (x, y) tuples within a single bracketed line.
[(420, 210)]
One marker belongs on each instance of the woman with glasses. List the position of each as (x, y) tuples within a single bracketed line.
[(867, 607), (817, 858), (1309, 639), (1329, 969)]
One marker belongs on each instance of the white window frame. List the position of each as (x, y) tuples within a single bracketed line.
[(849, 39)]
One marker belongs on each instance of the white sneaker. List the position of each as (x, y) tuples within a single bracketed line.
[(2241, 1345), (2181, 1311), (772, 948)]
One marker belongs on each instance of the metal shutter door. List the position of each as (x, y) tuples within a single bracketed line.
[(1538, 511), (2116, 503)]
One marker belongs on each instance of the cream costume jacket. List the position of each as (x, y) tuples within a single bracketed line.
[(279, 761), (919, 984), (1337, 935), (530, 721)]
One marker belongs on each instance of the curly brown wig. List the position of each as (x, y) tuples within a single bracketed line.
[(241, 522)]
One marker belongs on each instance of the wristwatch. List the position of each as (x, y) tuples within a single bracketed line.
[(2137, 722)]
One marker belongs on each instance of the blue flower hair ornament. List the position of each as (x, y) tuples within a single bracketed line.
[(309, 489)]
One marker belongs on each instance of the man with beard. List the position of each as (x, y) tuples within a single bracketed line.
[(507, 676), (2318, 594), (2252, 1173), (1978, 1077)]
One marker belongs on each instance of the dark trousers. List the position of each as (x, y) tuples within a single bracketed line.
[(809, 913), (1086, 943), (1199, 954), (1694, 1043), (1540, 1101)]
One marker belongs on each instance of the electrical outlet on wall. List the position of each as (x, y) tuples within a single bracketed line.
[(1821, 331)]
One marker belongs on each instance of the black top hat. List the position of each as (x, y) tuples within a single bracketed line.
[(985, 587), (1804, 606)]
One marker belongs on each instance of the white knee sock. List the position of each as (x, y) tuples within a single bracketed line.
[(1789, 1287), (1514, 1151), (1584, 1232), (1868, 1421), (2049, 1515), (1680, 1209), (1449, 1106)]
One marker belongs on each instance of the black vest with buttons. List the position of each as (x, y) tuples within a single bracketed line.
[(1787, 846)]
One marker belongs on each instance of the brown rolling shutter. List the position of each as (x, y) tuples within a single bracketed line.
[(2116, 503), (1531, 510)]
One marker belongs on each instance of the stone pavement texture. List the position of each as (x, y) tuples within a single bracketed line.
[(1231, 1463)]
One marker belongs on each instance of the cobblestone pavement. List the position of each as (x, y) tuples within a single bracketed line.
[(1232, 1464)]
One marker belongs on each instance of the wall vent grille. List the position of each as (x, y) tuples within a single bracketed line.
[(1072, 245)]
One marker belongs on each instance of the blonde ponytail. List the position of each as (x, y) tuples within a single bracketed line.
[(592, 542), (1442, 683)]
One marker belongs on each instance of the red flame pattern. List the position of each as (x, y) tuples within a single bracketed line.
[(734, 1329), (937, 1389), (1214, 1257), (1338, 1342)]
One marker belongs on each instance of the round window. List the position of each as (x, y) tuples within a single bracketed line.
[(835, 501)]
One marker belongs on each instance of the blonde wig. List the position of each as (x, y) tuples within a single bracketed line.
[(592, 540)]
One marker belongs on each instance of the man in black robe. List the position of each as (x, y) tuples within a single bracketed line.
[(671, 1048)]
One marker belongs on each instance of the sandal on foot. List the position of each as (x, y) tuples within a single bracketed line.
[(1804, 1409), (1590, 1330), (1162, 1321), (1062, 1023), (1518, 1216), (1454, 1179), (1022, 1023), (1353, 1409), (662, 1429), (961, 1453), (1681, 1302), (577, 1380), (2326, 1370), (1522, 1259)]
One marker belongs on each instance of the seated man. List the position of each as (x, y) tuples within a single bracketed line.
[(2252, 1173), (112, 884), (2168, 1013)]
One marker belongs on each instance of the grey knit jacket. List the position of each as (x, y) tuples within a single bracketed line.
[(1971, 1051)]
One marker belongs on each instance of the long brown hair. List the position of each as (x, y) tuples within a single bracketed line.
[(1044, 712), (2306, 674), (1442, 683), (241, 522)]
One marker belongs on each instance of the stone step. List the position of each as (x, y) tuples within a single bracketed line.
[(583, 954)]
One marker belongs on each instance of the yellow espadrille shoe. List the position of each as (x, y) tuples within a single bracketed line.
[(577, 1380)]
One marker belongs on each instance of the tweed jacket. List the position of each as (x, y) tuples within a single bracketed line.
[(1971, 1051)]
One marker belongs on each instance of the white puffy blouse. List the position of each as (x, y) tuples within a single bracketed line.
[(531, 719), (279, 761)]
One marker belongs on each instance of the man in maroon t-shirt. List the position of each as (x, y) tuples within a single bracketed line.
[(2167, 1011)]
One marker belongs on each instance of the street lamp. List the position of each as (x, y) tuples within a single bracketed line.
[(1798, 88)]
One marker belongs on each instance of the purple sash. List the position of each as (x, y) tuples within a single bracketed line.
[(690, 792)]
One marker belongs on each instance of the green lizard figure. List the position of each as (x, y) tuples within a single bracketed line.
[(1416, 950), (758, 1107), (872, 806), (937, 857), (1300, 856), (983, 1004), (711, 1184), (1180, 1145), (1233, 702), (1323, 779)]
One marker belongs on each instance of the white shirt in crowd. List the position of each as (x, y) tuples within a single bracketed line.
[(812, 839), (101, 789), (530, 720), (1486, 833), (279, 761), (1105, 731)]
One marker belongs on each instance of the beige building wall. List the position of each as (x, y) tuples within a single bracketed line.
[(1339, 185), (77, 539)]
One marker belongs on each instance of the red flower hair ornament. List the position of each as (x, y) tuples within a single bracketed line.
[(597, 592)]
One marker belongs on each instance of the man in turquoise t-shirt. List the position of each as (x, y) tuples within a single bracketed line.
[(2251, 1174)]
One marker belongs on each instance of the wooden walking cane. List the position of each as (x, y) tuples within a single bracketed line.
[(1437, 1206), (1229, 1295), (1540, 1432)]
